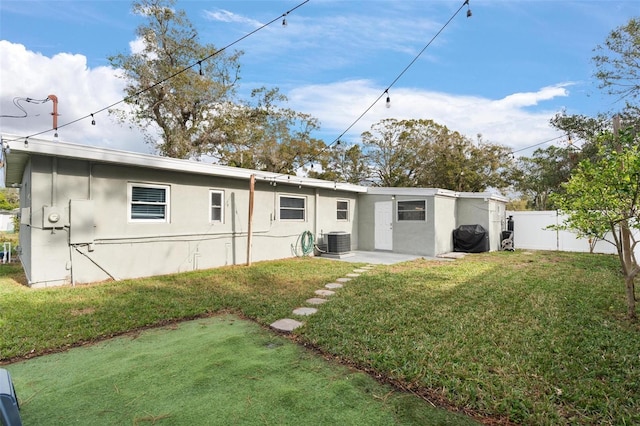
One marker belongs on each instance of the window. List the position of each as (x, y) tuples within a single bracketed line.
[(292, 208), (342, 210), (148, 203), (412, 210), (216, 199)]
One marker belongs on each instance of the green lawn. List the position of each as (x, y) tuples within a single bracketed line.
[(533, 338), (210, 371)]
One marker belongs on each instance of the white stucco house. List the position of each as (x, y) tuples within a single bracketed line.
[(90, 214)]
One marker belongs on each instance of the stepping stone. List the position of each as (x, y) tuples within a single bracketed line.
[(333, 286), (343, 280), (353, 275), (305, 311), (323, 292), (316, 301), (286, 325), (360, 271)]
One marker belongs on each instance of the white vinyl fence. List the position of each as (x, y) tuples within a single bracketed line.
[(529, 232)]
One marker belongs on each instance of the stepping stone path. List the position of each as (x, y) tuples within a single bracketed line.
[(305, 311), (287, 325)]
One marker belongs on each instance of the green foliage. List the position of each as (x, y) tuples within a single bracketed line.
[(422, 153), (617, 64), (178, 115), (346, 163), (9, 199), (603, 195), (267, 136), (544, 173)]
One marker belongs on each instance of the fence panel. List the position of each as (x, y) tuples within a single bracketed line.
[(529, 232)]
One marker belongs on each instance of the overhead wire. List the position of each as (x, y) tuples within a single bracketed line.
[(399, 76), (16, 102), (177, 73)]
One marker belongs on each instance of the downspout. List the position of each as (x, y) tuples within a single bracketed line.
[(315, 216), (252, 185)]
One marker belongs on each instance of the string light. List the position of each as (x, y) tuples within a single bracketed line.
[(386, 92), (468, 9), (200, 67), (199, 62), (93, 121)]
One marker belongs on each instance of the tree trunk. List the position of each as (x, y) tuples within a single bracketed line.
[(631, 297), (628, 268)]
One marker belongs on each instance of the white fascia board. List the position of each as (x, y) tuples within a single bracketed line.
[(105, 155), (414, 192), (484, 195)]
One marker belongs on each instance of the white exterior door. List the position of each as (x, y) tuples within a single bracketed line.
[(383, 237)]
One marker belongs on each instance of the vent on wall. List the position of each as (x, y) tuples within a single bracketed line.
[(338, 242)]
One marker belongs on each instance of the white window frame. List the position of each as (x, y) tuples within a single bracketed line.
[(221, 206), (410, 211), (166, 204), (280, 209), (338, 210)]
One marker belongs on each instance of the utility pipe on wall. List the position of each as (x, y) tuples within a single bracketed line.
[(252, 185)]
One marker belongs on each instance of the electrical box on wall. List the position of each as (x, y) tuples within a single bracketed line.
[(52, 217)]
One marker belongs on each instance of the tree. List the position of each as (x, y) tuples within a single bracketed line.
[(427, 154), (544, 173), (604, 194), (343, 163), (267, 136), (617, 64), (185, 105), (391, 153)]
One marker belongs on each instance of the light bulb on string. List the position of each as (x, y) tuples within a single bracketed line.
[(468, 9), (388, 104), (93, 121), (200, 67)]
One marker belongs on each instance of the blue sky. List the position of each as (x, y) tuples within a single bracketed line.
[(502, 73)]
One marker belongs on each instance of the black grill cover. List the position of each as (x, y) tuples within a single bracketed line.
[(470, 239)]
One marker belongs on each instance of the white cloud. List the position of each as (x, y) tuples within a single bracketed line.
[(222, 15), (80, 90), (505, 121)]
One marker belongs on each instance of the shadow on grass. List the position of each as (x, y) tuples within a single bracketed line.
[(217, 370)]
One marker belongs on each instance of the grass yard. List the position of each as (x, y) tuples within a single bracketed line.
[(210, 371), (529, 338)]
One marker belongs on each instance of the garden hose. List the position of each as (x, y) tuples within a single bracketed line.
[(305, 242)]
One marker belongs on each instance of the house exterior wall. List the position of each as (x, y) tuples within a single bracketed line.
[(427, 238), (445, 213), (92, 199), (414, 236), (485, 211)]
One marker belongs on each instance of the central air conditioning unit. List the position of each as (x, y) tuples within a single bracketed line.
[(338, 242)]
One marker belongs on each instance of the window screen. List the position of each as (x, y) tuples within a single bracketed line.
[(342, 210), (217, 202), (292, 208), (412, 210), (149, 203)]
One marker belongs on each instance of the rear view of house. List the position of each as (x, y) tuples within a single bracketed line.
[(91, 214)]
